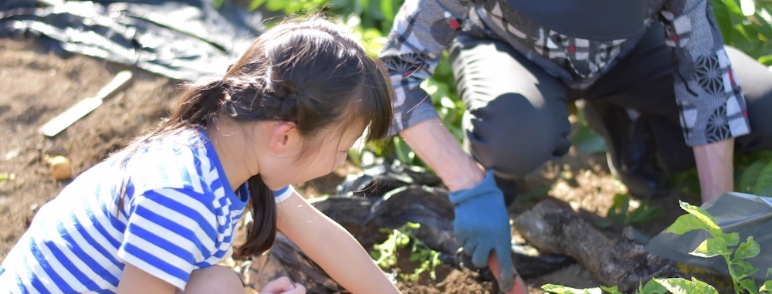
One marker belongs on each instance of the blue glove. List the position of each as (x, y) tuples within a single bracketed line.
[(482, 225)]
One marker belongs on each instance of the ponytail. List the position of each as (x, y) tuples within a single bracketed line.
[(198, 105), (261, 235)]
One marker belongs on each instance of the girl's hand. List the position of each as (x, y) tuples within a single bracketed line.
[(283, 285)]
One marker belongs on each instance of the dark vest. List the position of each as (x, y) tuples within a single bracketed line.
[(601, 20)]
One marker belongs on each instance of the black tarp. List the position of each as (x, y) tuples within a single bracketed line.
[(181, 39)]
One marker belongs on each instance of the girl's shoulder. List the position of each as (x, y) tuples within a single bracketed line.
[(182, 160)]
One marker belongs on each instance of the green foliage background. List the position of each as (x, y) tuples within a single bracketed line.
[(744, 24)]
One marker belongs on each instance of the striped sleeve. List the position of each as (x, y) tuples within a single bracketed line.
[(168, 232), (283, 193)]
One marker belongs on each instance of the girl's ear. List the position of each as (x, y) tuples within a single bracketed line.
[(285, 138)]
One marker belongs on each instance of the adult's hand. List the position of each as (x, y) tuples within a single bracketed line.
[(482, 227)]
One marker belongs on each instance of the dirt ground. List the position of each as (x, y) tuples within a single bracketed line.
[(35, 86)]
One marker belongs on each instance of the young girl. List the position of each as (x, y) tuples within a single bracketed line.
[(157, 216)]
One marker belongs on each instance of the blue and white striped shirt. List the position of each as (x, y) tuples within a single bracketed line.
[(179, 215)]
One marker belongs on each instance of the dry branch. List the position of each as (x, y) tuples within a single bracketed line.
[(553, 229)]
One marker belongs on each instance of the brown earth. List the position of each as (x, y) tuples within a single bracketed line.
[(36, 86)]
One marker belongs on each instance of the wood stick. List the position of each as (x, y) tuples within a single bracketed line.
[(553, 229)]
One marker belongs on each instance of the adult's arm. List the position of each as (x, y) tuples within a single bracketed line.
[(433, 143), (712, 106), (422, 30), (715, 168)]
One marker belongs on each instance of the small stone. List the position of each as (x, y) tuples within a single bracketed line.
[(60, 166)]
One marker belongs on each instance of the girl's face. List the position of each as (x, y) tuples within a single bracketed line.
[(318, 159), (330, 152)]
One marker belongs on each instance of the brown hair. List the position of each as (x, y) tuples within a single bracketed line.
[(307, 71)]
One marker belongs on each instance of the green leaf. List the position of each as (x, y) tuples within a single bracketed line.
[(732, 239), (568, 290), (415, 256), (619, 207), (767, 287), (612, 290), (750, 176), (741, 40), (743, 269), (275, 5), (413, 226), (653, 287), (255, 4), (723, 19), (747, 249), (764, 182), (697, 219), (686, 223), (589, 141), (404, 153), (765, 60), (447, 103), (387, 8), (683, 286), (733, 7), (712, 247), (748, 285), (644, 213)]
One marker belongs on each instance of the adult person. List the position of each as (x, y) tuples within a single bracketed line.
[(655, 76)]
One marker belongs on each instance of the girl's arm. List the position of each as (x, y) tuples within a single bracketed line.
[(137, 281), (331, 246)]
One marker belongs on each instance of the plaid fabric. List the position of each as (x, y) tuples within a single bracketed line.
[(711, 101)]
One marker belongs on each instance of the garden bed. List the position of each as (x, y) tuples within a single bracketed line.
[(36, 86)]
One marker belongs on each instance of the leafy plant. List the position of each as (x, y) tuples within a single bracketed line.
[(727, 246), (568, 290), (719, 245), (586, 139), (386, 254), (757, 178), (745, 25), (620, 211)]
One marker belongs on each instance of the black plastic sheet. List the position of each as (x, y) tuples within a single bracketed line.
[(183, 39)]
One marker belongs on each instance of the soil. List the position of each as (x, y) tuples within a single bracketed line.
[(37, 85)]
